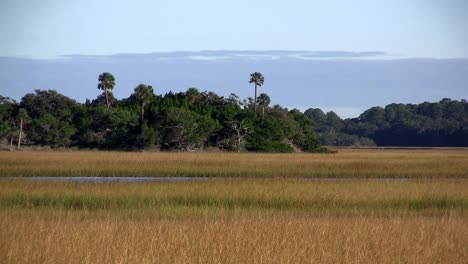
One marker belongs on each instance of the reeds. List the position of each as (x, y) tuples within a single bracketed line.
[(255, 208), (345, 164), (274, 239), (438, 197)]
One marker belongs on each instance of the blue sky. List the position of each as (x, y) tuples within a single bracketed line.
[(402, 28)]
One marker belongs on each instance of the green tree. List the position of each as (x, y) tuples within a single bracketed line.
[(264, 102), (304, 136), (143, 94), (106, 83), (316, 115), (148, 137), (257, 79), (185, 130), (183, 121), (52, 118), (49, 130), (8, 120)]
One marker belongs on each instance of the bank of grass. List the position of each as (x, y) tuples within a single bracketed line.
[(245, 196), (259, 211), (234, 221), (433, 164), (72, 238)]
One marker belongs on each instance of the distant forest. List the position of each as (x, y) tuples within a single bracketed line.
[(194, 120), (185, 121), (423, 125)]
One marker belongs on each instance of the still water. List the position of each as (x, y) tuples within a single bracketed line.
[(109, 179), (182, 179)]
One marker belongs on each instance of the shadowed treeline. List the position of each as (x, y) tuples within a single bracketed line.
[(443, 123)]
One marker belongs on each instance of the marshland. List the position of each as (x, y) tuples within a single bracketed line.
[(364, 206), (347, 164), (247, 131)]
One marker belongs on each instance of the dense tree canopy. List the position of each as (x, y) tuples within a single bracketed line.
[(194, 120), (185, 121), (427, 124)]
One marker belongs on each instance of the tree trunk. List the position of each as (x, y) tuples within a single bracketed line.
[(142, 111), (263, 113), (107, 99), (238, 141), (255, 101), (20, 132), (11, 143)]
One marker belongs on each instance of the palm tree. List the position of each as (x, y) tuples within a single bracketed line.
[(143, 93), (257, 79), (106, 82), (264, 101), (22, 117)]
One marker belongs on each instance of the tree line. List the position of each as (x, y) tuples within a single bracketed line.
[(184, 121), (443, 123)]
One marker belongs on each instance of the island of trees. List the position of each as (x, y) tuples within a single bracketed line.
[(443, 123), (194, 120), (184, 121)]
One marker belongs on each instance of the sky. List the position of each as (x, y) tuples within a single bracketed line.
[(408, 28), (312, 53)]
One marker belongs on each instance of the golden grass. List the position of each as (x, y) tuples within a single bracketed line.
[(345, 164), (274, 239), (268, 217), (248, 196)]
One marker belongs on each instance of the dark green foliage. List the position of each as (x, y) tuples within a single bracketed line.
[(49, 130), (143, 95), (280, 130), (427, 124), (121, 129), (185, 130), (304, 137), (51, 118), (106, 83), (185, 121), (9, 110), (329, 128), (147, 137)]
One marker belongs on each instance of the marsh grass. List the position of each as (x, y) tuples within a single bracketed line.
[(291, 196), (260, 210), (226, 239), (344, 164)]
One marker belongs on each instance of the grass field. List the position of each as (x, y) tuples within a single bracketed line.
[(345, 164), (74, 238), (252, 217), (246, 196), (237, 221)]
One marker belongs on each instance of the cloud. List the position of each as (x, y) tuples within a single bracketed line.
[(343, 54), (231, 55)]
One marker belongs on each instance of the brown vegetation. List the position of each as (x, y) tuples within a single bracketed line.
[(345, 164), (273, 239), (269, 217)]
